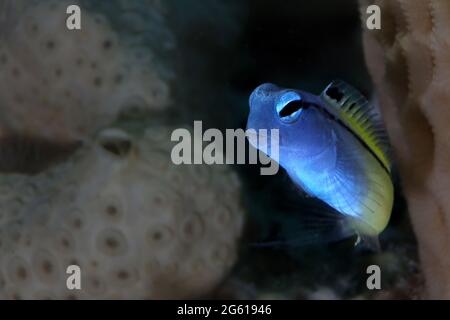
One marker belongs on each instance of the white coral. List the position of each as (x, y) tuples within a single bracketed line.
[(66, 84), (137, 225)]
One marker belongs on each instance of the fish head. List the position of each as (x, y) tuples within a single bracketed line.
[(302, 127)]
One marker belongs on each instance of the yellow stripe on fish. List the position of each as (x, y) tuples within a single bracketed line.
[(354, 111)]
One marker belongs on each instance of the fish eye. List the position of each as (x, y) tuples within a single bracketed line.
[(289, 107)]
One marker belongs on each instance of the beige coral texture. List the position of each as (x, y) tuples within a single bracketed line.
[(137, 225), (409, 60), (63, 85)]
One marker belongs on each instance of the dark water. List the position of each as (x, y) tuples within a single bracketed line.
[(298, 44)]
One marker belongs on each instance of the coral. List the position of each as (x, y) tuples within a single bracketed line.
[(409, 63), (137, 225), (64, 85)]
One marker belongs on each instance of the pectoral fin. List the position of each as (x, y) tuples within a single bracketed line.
[(310, 222)]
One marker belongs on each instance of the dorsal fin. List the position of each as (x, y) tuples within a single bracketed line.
[(353, 109)]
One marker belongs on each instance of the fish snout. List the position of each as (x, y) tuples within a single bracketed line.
[(262, 92)]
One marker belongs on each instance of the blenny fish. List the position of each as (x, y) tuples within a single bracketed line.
[(334, 147)]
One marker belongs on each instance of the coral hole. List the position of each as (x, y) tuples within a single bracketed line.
[(115, 142)]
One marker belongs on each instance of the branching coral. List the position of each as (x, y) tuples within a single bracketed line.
[(409, 63), (137, 225)]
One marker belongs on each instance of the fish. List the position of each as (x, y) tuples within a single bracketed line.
[(334, 147)]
